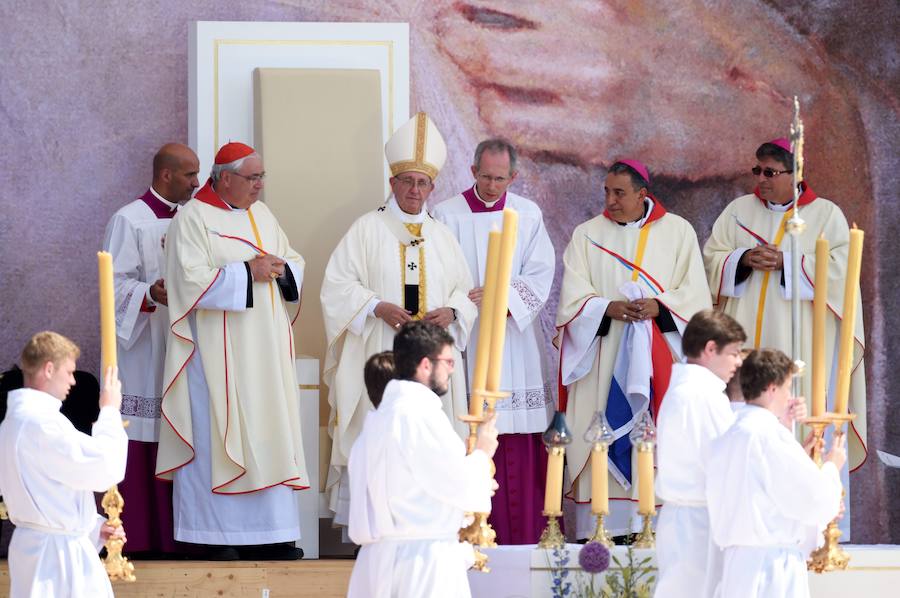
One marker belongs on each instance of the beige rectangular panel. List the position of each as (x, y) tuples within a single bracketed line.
[(319, 133)]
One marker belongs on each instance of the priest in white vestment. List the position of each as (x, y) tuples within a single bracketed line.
[(633, 278), (395, 264), (768, 501), (694, 412), (521, 418), (230, 436), (136, 237), (411, 481), (748, 262), (49, 472)]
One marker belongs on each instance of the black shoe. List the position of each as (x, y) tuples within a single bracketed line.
[(215, 552), (283, 551)]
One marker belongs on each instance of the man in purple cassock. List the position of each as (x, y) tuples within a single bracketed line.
[(521, 457), (136, 236)]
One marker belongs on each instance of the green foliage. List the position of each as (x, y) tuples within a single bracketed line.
[(625, 579)]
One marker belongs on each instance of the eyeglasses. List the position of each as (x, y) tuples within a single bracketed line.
[(448, 360), (767, 172), (486, 178), (253, 178), (420, 184)]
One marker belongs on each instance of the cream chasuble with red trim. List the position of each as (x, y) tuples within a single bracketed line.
[(248, 356), (747, 222), (671, 261)]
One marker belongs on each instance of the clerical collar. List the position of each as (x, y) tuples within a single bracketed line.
[(169, 204), (489, 204), (394, 207), (777, 207), (648, 209)]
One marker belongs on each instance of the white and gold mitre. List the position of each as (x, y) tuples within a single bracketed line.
[(417, 146)]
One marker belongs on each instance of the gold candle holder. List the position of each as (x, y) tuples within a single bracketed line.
[(117, 565), (818, 425), (552, 536), (830, 556), (600, 534), (646, 539)]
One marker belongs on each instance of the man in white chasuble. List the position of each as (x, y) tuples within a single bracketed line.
[(230, 436), (522, 417), (748, 263), (412, 482), (394, 265), (768, 501), (633, 278), (136, 238)]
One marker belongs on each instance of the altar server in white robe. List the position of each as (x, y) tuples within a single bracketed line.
[(395, 264), (694, 412), (633, 278), (768, 501), (748, 262), (522, 417), (136, 237), (412, 482), (49, 472), (231, 433)]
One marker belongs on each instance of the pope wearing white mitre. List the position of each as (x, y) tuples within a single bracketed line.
[(395, 264)]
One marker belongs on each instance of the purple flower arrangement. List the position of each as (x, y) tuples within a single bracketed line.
[(593, 558)]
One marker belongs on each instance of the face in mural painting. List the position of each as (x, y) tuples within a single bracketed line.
[(691, 92)]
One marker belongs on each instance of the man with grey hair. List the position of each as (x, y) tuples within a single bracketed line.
[(516, 512), (230, 436)]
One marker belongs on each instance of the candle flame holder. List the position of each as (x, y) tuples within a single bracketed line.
[(830, 556), (646, 538), (600, 534), (552, 536), (117, 565), (479, 533)]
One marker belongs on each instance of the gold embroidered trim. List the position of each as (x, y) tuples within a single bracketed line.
[(260, 245), (414, 229)]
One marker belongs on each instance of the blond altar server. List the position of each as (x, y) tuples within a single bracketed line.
[(395, 264), (768, 502), (633, 278), (748, 263), (694, 412), (136, 237), (411, 479), (521, 418), (49, 472), (231, 432)]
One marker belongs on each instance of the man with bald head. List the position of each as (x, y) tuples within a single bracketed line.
[(135, 236), (230, 435)]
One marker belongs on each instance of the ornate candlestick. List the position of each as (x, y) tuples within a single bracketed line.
[(117, 566), (555, 438), (600, 435), (830, 556), (643, 437)]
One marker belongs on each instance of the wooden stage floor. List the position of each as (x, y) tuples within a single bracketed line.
[(238, 579)]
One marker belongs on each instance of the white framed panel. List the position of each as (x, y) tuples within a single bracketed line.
[(223, 55)]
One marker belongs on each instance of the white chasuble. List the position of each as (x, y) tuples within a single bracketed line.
[(412, 484), (695, 412), (244, 345), (49, 472), (761, 302), (525, 365), (768, 504), (135, 236), (659, 258), (366, 267)]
